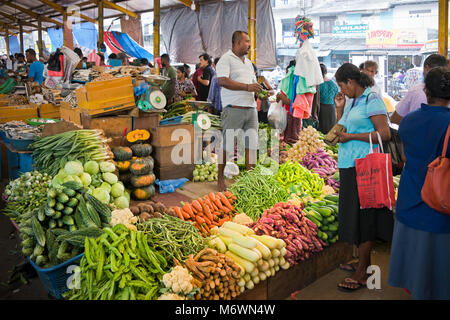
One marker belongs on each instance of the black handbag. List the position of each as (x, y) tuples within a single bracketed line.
[(394, 148)]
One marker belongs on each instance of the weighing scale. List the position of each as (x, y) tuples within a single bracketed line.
[(201, 121), (153, 98)]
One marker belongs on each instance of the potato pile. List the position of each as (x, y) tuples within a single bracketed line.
[(149, 209), (309, 141)]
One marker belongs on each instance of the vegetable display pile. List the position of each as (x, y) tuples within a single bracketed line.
[(258, 257), (216, 122), (177, 109), (323, 164), (26, 193), (148, 209), (257, 191), (293, 176), (99, 179), (309, 141), (51, 153), (125, 217), (324, 214), (287, 222), (207, 212), (332, 150), (179, 285), (119, 265), (173, 237), (216, 274), (136, 168), (205, 172), (55, 232)]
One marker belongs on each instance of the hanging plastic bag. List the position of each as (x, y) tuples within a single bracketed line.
[(231, 170), (375, 180), (277, 116), (166, 186)]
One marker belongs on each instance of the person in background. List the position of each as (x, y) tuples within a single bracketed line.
[(362, 118), (198, 72), (413, 77), (168, 88), (11, 63), (183, 86), (102, 60), (416, 95), (144, 62), (205, 79), (370, 68), (237, 79), (21, 64), (112, 56), (36, 70), (327, 113), (187, 69), (84, 60), (214, 92), (420, 253), (80, 55), (123, 58)]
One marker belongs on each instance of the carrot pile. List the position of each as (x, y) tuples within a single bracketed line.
[(208, 212)]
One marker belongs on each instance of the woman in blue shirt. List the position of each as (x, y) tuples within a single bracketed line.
[(327, 113), (366, 115), (420, 254)]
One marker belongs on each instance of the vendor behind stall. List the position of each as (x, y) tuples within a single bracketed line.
[(36, 70)]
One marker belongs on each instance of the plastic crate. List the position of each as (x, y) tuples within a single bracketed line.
[(3, 136), (20, 145), (19, 163), (174, 120), (55, 278)]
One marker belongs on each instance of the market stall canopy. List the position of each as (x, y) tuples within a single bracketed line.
[(121, 42), (187, 33), (27, 12)]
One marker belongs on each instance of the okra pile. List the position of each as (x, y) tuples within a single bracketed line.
[(119, 265)]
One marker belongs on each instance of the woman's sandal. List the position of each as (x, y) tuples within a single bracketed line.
[(350, 267), (352, 285)]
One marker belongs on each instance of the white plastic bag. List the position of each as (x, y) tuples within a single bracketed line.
[(231, 170), (277, 116)]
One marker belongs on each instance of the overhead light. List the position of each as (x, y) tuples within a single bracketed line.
[(193, 6)]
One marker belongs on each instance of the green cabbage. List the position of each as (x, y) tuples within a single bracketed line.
[(117, 190), (101, 195), (73, 168), (121, 202), (106, 186), (86, 179), (91, 167), (107, 166), (109, 177), (68, 178), (76, 178), (62, 173), (126, 194)]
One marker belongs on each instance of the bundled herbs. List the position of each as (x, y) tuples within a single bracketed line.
[(53, 152), (257, 190)]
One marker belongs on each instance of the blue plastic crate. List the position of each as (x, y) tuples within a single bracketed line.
[(19, 163), (55, 278), (3, 136), (20, 145), (174, 120)]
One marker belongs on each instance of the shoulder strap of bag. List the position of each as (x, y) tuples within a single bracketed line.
[(380, 144), (447, 136)]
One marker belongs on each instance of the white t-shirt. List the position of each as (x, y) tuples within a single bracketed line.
[(231, 66)]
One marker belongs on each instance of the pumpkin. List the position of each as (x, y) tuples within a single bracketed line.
[(142, 149), (122, 153), (143, 193), (123, 165), (140, 167), (150, 161), (138, 135), (143, 180), (125, 178)]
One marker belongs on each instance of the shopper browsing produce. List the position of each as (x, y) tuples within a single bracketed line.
[(183, 86), (36, 70), (168, 88), (420, 231), (206, 77), (327, 113), (364, 116)]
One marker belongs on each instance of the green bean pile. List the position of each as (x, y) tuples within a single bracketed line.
[(257, 192), (173, 237), (51, 153)]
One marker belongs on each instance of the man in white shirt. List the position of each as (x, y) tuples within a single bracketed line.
[(238, 81)]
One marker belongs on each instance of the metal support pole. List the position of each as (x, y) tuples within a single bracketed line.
[(252, 29), (100, 25), (443, 27), (40, 46), (21, 38), (156, 39), (7, 41)]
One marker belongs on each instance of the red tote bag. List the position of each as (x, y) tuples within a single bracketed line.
[(374, 179)]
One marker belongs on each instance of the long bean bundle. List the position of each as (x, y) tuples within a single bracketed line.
[(173, 237), (256, 192), (51, 153)]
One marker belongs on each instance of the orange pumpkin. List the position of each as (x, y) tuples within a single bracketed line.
[(138, 135)]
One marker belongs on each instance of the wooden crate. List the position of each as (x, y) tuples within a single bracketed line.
[(22, 113), (102, 97), (48, 110), (163, 155), (174, 172), (146, 120), (161, 136), (70, 114)]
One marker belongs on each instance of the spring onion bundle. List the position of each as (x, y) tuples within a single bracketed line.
[(53, 152)]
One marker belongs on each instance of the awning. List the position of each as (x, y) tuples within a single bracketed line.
[(342, 44), (121, 42), (321, 53)]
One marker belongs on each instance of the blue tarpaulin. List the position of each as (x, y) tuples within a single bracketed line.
[(131, 47), (56, 37), (86, 35), (14, 45)]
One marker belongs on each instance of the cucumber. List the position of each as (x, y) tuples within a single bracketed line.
[(38, 231), (333, 198), (68, 220), (333, 227), (72, 202), (52, 224), (69, 192), (57, 215), (330, 219), (41, 215), (49, 212), (314, 220), (51, 202), (63, 198), (324, 212), (324, 228), (76, 186), (68, 210), (59, 207), (316, 214)]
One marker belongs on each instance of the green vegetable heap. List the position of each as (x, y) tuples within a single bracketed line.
[(205, 172), (294, 176), (119, 265)]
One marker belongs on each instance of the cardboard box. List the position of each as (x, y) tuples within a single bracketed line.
[(146, 120), (161, 136), (102, 97), (167, 156), (175, 172)]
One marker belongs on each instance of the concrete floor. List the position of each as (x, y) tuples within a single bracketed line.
[(322, 289)]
